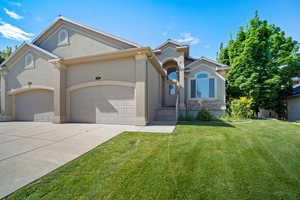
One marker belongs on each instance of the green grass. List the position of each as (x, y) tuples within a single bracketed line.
[(257, 160)]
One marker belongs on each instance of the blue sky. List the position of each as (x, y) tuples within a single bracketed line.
[(203, 23)]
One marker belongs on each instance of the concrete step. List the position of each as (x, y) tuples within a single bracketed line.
[(165, 114)]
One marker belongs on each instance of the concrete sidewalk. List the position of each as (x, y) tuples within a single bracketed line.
[(29, 150)]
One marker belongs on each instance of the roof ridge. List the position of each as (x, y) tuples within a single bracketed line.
[(86, 27), (169, 41)]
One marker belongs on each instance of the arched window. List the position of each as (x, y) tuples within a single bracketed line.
[(202, 86), (29, 62), (63, 37), (172, 74)]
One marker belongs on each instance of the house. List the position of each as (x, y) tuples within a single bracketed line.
[(74, 73), (293, 101)]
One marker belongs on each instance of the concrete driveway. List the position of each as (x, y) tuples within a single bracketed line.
[(30, 150)]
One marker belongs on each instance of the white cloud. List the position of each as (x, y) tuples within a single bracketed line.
[(12, 14), (188, 38), (11, 32), (15, 3)]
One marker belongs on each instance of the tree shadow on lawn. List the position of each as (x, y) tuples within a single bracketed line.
[(215, 122)]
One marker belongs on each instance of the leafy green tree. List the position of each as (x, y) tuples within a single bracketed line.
[(5, 53), (255, 56)]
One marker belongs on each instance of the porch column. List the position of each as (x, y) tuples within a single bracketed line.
[(6, 104), (140, 89), (60, 94), (180, 63)]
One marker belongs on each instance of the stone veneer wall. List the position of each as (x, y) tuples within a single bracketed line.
[(196, 105), (215, 107)]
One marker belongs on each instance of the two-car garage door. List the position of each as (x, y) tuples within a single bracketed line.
[(105, 104), (99, 104), (36, 105)]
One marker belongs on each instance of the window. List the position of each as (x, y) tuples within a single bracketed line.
[(172, 74), (29, 63), (202, 86), (63, 37), (172, 89)]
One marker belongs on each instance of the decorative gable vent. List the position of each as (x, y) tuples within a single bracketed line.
[(63, 37), (29, 62)]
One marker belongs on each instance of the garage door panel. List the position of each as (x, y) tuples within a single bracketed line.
[(103, 104), (34, 106)]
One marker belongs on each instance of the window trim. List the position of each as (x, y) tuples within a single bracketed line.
[(195, 78), (31, 65), (65, 41)]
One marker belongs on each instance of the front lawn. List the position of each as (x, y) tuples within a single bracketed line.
[(256, 160)]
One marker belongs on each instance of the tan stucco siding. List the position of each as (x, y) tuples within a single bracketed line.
[(114, 70), (81, 43), (294, 109), (217, 103), (112, 99), (154, 82), (41, 74), (169, 53)]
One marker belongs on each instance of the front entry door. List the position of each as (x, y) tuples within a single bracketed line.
[(170, 92)]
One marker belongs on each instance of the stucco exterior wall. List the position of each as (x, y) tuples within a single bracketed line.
[(42, 74), (81, 43), (213, 104), (113, 70), (106, 103), (294, 108), (154, 98)]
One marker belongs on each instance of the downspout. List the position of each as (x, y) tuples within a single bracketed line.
[(147, 93)]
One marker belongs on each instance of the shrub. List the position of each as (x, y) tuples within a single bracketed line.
[(189, 118), (241, 108), (204, 115), (185, 118), (181, 118)]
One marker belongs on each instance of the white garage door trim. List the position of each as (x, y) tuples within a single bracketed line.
[(100, 83), (29, 88), (92, 84)]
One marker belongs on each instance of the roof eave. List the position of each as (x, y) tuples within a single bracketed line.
[(220, 67), (167, 42), (106, 56), (29, 46)]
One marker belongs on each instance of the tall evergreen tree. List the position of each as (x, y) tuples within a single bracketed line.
[(255, 56)]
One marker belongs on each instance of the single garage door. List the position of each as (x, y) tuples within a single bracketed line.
[(103, 104), (34, 105)]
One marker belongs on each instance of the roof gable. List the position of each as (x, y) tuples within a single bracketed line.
[(219, 66), (168, 43), (24, 47), (61, 20)]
